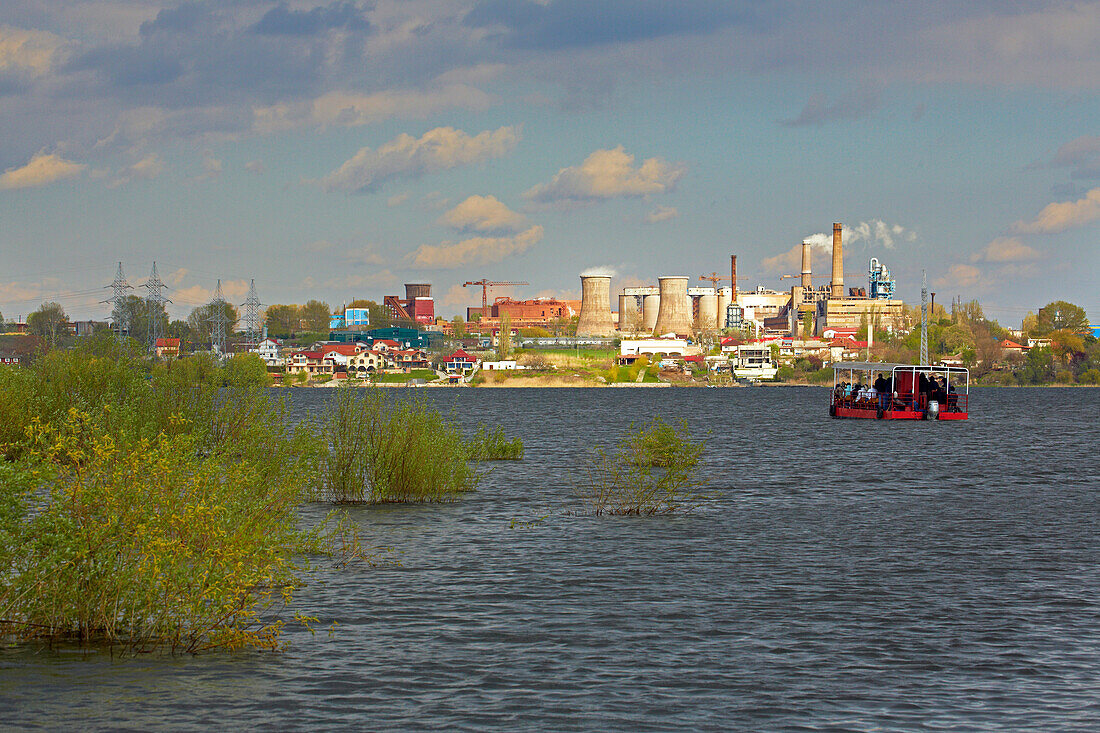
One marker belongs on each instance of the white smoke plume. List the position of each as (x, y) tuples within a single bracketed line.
[(875, 232), (599, 271)]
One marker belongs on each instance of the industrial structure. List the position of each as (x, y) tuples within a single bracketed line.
[(595, 316), (674, 314), (418, 305)]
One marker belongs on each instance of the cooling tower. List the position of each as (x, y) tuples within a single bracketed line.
[(417, 290), (630, 315), (651, 305), (595, 318), (725, 297), (674, 315), (836, 289), (708, 312), (807, 274)]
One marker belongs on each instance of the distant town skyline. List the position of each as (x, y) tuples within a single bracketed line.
[(336, 150)]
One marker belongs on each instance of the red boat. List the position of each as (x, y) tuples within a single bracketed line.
[(863, 390)]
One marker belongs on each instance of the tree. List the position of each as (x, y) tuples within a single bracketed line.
[(316, 316), (3, 324), (282, 320), (504, 342), (1067, 345), (1061, 315), (458, 327), (139, 317), (1029, 324), (201, 322), (1038, 367), (48, 322)]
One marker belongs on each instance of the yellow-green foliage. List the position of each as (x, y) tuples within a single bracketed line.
[(151, 510), (396, 450), (493, 445), (652, 470)]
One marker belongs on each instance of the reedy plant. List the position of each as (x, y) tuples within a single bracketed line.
[(493, 445), (652, 470), (396, 451)]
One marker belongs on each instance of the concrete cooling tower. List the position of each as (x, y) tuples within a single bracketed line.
[(651, 305), (708, 311), (675, 314), (725, 297), (595, 318)]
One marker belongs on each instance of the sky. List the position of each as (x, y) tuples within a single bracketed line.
[(336, 150)]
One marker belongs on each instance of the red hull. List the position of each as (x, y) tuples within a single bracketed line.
[(852, 412)]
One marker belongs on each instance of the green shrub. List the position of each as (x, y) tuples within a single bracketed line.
[(400, 450), (652, 470), (493, 445), (148, 510)]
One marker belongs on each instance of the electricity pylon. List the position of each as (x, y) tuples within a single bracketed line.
[(154, 302), (120, 318), (251, 307), (218, 320)]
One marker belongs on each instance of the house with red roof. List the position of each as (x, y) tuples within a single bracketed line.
[(459, 363), (167, 348), (308, 362)]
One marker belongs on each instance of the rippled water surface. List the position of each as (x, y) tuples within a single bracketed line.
[(849, 575)]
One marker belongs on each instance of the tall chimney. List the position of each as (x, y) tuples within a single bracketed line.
[(733, 276), (836, 289), (807, 275)]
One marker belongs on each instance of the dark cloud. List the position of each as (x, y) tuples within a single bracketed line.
[(1082, 155), (820, 110), (577, 23), (185, 17), (282, 21)]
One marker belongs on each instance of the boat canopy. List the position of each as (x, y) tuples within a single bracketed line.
[(874, 366)]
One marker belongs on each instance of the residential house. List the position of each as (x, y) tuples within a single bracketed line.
[(408, 359), (460, 363), (268, 350), (167, 348), (308, 362), (365, 363), (338, 354)]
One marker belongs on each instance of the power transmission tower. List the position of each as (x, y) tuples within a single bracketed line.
[(923, 318), (252, 314), (155, 301), (218, 320), (120, 317)]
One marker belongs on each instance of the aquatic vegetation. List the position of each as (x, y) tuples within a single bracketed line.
[(150, 508), (493, 445), (383, 451), (652, 470)]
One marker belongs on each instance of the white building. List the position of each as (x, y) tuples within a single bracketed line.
[(268, 350)]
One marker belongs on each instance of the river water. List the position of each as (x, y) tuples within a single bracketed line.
[(847, 575)]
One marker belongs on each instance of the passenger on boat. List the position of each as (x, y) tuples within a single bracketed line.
[(882, 387)]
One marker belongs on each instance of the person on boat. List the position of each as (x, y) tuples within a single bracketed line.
[(882, 387)]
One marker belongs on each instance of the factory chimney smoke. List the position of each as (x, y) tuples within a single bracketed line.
[(595, 318), (836, 289)]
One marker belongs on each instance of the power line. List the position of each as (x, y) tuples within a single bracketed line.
[(155, 301), (218, 321), (119, 316), (252, 313)]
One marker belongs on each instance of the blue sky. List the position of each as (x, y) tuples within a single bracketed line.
[(336, 150)]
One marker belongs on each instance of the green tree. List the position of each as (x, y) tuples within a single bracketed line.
[(140, 316), (48, 322), (316, 315), (1061, 315), (458, 327), (282, 320), (1038, 367), (504, 342), (1029, 324), (201, 322)]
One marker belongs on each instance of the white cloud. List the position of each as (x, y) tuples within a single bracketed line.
[(349, 109), (1060, 216), (149, 167), (475, 251), (32, 51), (211, 165), (397, 199), (484, 214), (607, 174), (1005, 249), (42, 169), (960, 276), (661, 213), (409, 157)]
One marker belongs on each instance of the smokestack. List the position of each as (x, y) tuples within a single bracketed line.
[(836, 289), (674, 314), (733, 276), (807, 275), (595, 318)]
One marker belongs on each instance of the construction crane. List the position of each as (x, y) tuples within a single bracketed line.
[(784, 277), (715, 278), (485, 285)]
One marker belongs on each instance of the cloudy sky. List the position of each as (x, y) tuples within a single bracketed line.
[(336, 150)]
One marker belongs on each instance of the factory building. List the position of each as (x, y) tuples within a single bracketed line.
[(418, 304)]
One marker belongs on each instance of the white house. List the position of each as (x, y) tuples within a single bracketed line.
[(268, 350)]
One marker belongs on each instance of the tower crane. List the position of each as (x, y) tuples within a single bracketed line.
[(784, 277), (715, 278), (485, 285)]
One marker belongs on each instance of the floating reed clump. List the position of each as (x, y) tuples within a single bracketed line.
[(493, 445), (652, 470), (399, 450)]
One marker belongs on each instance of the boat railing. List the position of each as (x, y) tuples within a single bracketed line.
[(900, 403)]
